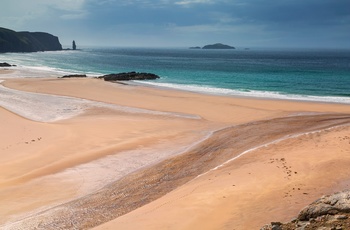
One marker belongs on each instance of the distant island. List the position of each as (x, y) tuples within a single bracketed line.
[(214, 46), (218, 46), (12, 41)]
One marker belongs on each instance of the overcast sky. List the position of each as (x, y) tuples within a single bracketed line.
[(183, 23)]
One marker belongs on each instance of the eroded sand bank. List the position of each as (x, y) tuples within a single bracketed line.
[(70, 159)]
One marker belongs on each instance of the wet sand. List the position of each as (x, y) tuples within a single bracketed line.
[(135, 161)]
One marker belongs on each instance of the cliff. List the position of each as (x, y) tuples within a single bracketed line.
[(11, 41)]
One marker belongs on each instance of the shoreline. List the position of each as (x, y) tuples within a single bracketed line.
[(207, 90), (240, 94), (282, 104), (41, 151)]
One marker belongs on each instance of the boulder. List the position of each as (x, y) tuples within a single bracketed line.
[(4, 64), (328, 213), (329, 204)]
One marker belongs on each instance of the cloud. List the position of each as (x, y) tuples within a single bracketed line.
[(229, 30), (154, 3), (67, 9), (135, 3), (75, 15), (290, 12), (192, 2), (224, 18), (67, 5), (24, 14), (254, 20)]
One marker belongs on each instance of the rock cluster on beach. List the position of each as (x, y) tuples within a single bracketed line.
[(331, 212), (129, 76), (5, 64), (74, 75)]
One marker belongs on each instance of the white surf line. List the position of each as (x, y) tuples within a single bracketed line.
[(266, 145), (49, 108)]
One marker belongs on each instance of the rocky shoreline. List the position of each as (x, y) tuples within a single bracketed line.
[(129, 76), (330, 212), (126, 76)]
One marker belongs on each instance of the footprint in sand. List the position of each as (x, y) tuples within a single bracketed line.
[(281, 163)]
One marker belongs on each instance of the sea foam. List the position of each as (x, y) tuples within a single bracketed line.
[(248, 93)]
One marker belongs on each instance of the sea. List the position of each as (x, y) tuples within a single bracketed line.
[(321, 75)]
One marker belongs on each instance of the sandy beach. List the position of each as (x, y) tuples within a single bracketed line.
[(85, 153)]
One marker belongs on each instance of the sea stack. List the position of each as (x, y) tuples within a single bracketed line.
[(74, 46)]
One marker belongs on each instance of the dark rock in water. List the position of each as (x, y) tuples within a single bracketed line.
[(4, 64), (73, 76), (218, 46), (74, 46), (11, 41), (129, 76), (195, 47)]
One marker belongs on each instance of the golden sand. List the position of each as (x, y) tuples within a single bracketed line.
[(46, 165)]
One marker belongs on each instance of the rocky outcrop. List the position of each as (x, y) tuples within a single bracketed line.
[(4, 64), (74, 76), (129, 76), (331, 212), (218, 46), (11, 41), (330, 204), (119, 76)]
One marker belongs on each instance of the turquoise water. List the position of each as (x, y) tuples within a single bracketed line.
[(316, 75)]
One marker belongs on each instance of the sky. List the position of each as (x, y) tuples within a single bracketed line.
[(184, 23)]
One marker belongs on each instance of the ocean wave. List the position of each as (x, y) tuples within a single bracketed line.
[(58, 71), (44, 71), (249, 93)]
